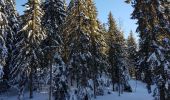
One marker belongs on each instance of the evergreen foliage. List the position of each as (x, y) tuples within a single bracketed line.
[(69, 51), (132, 54), (153, 27), (116, 55), (26, 62), (3, 28), (52, 22)]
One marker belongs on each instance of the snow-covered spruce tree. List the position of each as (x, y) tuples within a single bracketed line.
[(165, 16), (26, 63), (132, 51), (104, 62), (102, 36), (153, 27), (97, 42), (162, 49), (3, 28), (141, 12), (78, 41), (101, 59), (52, 21), (104, 50), (83, 13), (116, 56), (65, 50), (11, 32), (8, 28), (110, 40)]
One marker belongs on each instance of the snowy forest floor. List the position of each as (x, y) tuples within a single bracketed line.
[(139, 93)]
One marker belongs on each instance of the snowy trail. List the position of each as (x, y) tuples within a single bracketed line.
[(140, 93)]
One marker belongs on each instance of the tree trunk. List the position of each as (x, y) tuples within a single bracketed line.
[(162, 87), (31, 83), (95, 74), (71, 81), (113, 84), (94, 85), (162, 92), (50, 92), (168, 98), (77, 82), (119, 90)]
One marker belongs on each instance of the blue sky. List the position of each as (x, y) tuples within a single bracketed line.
[(120, 10)]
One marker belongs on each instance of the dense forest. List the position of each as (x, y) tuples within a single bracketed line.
[(65, 50)]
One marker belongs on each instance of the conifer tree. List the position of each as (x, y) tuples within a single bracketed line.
[(84, 14), (79, 42), (26, 63), (97, 42), (11, 30), (101, 58), (110, 40), (52, 21), (116, 56), (132, 51), (153, 30), (3, 28), (145, 38), (65, 34)]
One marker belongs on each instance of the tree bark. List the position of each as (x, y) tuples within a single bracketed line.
[(50, 92), (31, 84), (162, 92)]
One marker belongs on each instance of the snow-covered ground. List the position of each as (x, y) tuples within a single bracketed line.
[(37, 96), (139, 93)]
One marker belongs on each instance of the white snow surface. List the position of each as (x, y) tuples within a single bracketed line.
[(139, 93)]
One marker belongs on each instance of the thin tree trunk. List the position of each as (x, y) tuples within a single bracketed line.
[(32, 47), (95, 68), (50, 92), (119, 89), (119, 81), (71, 79), (168, 98), (113, 84), (162, 87), (31, 84), (77, 82), (162, 92), (94, 85)]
